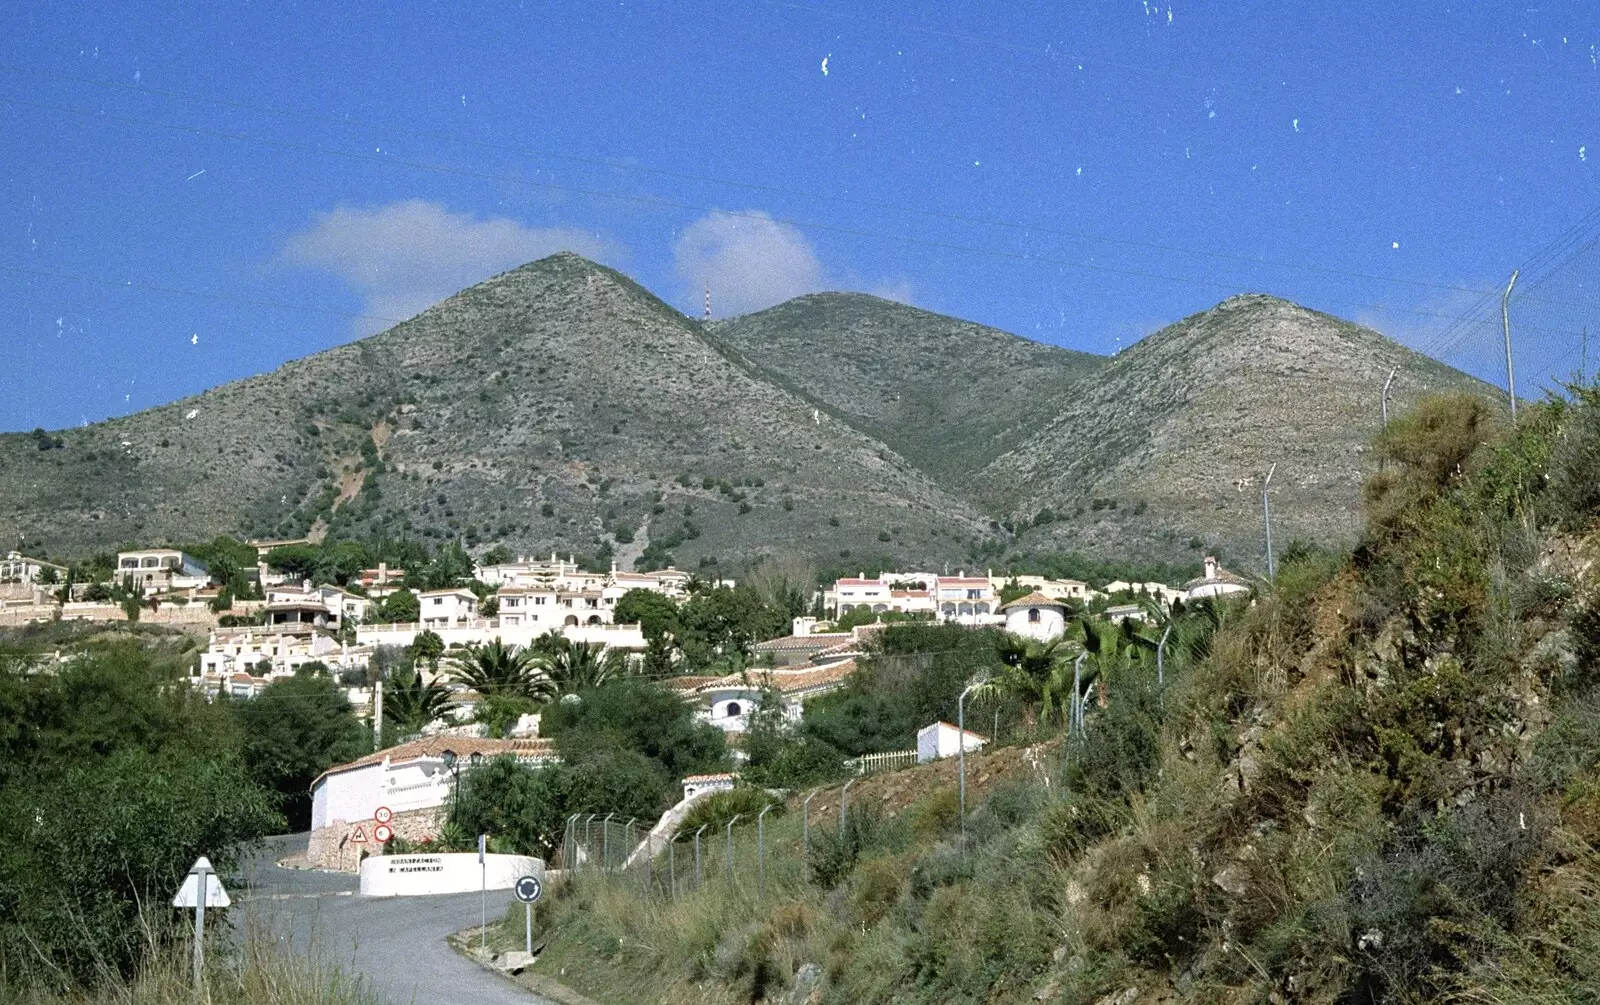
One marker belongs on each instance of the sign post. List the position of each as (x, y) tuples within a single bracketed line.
[(483, 904), (528, 890), (201, 889)]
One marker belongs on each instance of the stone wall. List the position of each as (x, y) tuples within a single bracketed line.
[(330, 847)]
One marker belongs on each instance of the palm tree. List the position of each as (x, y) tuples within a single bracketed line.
[(1039, 674), (494, 668), (410, 705), (579, 666)]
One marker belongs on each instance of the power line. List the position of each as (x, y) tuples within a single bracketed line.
[(611, 164), (675, 204), (1465, 325), (157, 288)]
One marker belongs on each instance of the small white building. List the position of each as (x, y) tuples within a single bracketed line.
[(1216, 582), (944, 740), (410, 776), (1035, 616), (729, 701), (447, 608)]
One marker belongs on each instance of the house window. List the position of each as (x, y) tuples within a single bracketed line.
[(1033, 615), (733, 709), (437, 601)]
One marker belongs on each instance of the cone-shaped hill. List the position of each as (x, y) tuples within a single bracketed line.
[(558, 405), (1171, 440)]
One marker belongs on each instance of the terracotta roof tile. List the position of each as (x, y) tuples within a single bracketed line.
[(686, 684), (1034, 599), (435, 746), (787, 680), (789, 642)]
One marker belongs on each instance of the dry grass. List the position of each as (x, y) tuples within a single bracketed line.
[(260, 969)]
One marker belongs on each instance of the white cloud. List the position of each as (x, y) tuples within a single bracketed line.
[(897, 289), (749, 260), (406, 256)]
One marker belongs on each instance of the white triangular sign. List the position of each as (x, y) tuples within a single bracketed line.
[(189, 892)]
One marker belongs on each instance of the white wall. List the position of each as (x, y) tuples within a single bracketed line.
[(421, 875), (487, 629), (347, 795), (942, 740), (1052, 622)]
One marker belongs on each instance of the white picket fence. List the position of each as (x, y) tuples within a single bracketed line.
[(872, 764)]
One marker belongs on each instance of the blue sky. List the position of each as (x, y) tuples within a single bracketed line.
[(1076, 173)]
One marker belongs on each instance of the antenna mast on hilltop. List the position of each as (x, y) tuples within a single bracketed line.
[(708, 301)]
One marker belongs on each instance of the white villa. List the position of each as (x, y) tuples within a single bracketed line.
[(963, 599), (19, 568), (156, 570), (442, 609), (1215, 582), (382, 581), (346, 605), (242, 650), (558, 576), (516, 630), (1060, 589), (728, 701)]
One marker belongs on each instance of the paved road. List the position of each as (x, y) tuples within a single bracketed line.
[(396, 943)]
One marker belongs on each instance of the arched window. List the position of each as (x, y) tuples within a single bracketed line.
[(594, 619), (1033, 615), (733, 709), (572, 619)]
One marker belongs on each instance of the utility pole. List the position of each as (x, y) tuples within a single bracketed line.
[(1505, 326), (1266, 510), (377, 713), (1383, 401), (961, 730)]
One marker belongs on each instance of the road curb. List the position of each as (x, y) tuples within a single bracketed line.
[(463, 942)]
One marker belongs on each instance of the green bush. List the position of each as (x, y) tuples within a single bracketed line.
[(114, 782), (717, 809), (295, 729)]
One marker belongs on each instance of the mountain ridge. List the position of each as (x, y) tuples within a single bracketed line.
[(560, 405)]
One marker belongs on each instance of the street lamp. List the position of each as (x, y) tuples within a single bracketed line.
[(735, 820), (961, 729), (451, 765), (805, 834)]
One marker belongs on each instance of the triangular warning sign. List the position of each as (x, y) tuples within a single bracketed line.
[(189, 892), (359, 837)]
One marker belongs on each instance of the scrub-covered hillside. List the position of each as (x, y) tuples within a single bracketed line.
[(1375, 781)]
